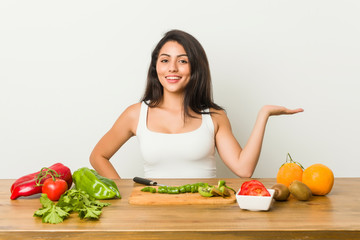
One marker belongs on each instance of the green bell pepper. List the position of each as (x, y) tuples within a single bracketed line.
[(173, 190), (95, 185), (162, 189), (149, 189)]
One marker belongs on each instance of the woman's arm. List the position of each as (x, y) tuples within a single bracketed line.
[(122, 130), (243, 161)]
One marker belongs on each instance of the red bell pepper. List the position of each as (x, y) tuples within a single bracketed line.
[(32, 183)]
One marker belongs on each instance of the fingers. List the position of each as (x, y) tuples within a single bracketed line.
[(293, 111), (279, 110)]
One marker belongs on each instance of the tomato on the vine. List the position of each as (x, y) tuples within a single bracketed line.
[(54, 188)]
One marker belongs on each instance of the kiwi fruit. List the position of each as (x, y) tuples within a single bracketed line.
[(300, 190), (222, 191), (282, 192)]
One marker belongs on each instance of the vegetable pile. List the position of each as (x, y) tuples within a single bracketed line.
[(54, 183)]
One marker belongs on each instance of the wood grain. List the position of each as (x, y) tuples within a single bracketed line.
[(335, 216), (138, 197)]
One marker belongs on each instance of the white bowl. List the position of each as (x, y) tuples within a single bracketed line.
[(255, 203)]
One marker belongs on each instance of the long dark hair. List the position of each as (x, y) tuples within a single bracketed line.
[(198, 92)]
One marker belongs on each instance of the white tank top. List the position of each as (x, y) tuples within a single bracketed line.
[(181, 155)]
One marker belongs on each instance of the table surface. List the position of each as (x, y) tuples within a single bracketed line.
[(334, 216)]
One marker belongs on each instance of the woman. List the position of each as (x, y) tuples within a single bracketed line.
[(177, 123)]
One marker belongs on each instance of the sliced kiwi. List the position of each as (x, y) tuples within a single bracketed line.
[(282, 192), (216, 191), (205, 191), (222, 191)]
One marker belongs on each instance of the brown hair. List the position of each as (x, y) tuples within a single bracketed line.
[(198, 92)]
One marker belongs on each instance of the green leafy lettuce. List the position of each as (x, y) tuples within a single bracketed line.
[(72, 200)]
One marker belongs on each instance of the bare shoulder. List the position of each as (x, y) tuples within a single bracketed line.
[(132, 111), (129, 118), (219, 118), (218, 114)]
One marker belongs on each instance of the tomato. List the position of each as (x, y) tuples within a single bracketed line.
[(247, 185), (258, 190), (253, 188), (54, 189), (252, 182)]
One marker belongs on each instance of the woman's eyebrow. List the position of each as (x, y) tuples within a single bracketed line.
[(180, 55)]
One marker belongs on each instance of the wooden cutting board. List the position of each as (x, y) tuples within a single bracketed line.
[(138, 197)]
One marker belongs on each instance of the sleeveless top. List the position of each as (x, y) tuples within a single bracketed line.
[(179, 155)]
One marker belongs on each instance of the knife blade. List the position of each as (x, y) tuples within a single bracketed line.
[(146, 181)]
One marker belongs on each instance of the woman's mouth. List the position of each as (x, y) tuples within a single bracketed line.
[(172, 79)]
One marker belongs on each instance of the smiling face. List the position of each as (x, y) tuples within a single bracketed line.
[(173, 67)]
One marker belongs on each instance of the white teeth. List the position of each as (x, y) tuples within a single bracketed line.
[(172, 78)]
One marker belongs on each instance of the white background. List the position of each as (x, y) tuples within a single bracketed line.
[(69, 68)]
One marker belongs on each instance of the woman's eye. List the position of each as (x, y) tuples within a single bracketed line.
[(164, 60), (183, 61)]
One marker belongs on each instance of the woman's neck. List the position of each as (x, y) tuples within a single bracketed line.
[(172, 102)]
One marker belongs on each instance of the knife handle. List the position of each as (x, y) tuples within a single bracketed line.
[(144, 181)]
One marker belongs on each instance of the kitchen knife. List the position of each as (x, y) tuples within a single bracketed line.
[(146, 181)]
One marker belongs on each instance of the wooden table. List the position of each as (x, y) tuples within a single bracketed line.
[(335, 216)]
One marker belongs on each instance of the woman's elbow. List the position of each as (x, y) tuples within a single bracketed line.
[(93, 158), (244, 174), (247, 175)]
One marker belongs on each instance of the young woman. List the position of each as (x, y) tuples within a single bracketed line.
[(177, 122)]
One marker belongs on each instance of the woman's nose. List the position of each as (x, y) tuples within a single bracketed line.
[(173, 66)]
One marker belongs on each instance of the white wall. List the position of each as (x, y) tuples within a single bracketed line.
[(69, 68)]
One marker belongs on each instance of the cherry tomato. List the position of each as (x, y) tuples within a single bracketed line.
[(54, 189)]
